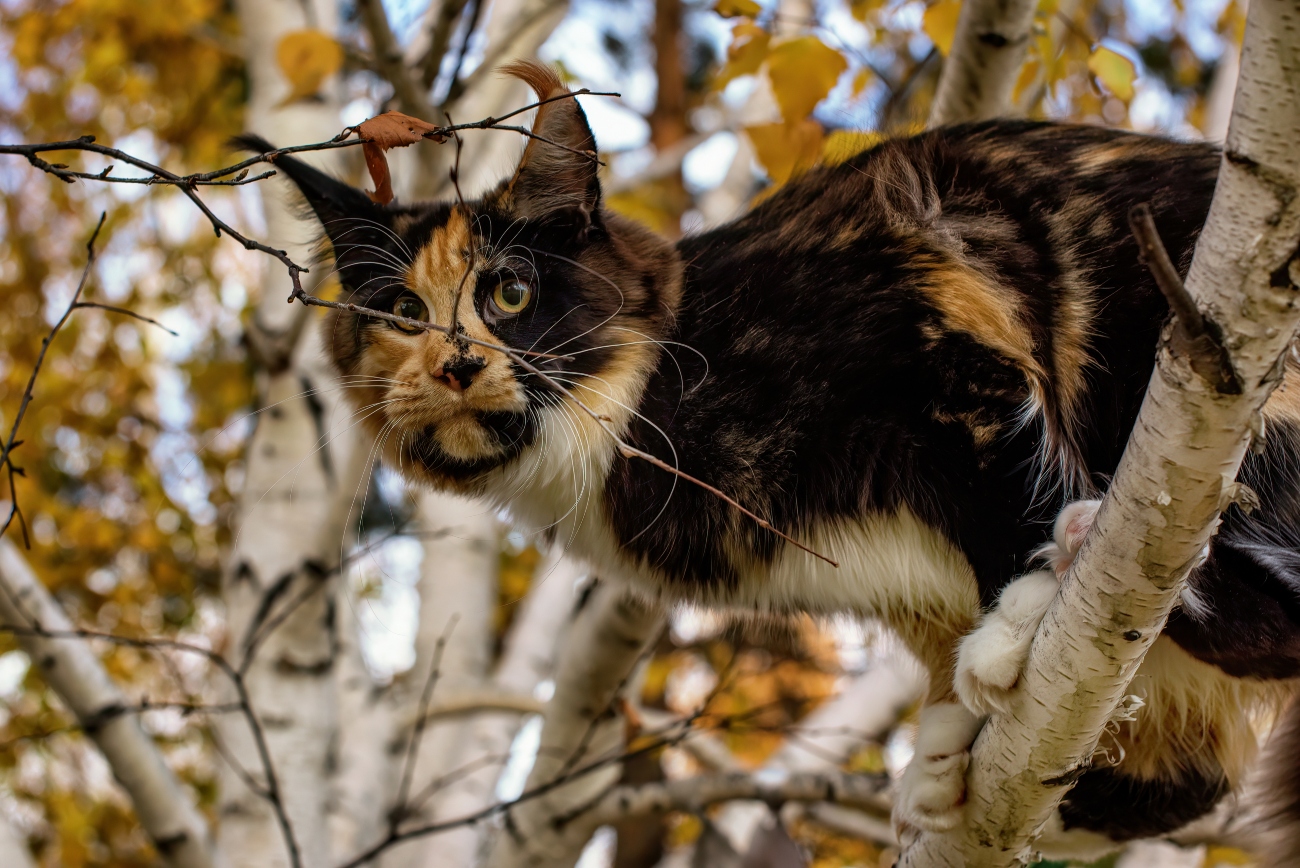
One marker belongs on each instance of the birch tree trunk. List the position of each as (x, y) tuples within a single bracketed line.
[(1174, 479), (582, 726), (13, 846), (363, 783), (458, 594), (303, 472), (980, 69), (527, 659), (71, 669)]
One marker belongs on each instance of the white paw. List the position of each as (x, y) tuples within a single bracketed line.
[(1072, 525), (932, 790), (991, 657)]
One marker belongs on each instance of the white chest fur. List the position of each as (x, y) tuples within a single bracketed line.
[(890, 565)]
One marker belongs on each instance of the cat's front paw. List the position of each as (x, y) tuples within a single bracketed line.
[(1072, 525), (932, 790), (991, 657)]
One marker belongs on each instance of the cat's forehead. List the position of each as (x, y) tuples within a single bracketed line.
[(444, 250)]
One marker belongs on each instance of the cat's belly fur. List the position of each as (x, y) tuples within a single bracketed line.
[(891, 565)]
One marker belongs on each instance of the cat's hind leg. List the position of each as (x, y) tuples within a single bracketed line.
[(992, 656), (932, 790)]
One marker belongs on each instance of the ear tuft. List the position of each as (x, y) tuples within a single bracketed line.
[(556, 177), (544, 80)]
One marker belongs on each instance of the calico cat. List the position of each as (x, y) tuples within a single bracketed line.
[(910, 361)]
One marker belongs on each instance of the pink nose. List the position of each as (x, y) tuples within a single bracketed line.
[(459, 373), (447, 379)]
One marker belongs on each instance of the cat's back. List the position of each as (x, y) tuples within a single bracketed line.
[(996, 256), (948, 322), (1015, 181)]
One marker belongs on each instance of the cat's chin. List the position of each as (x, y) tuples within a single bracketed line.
[(457, 452)]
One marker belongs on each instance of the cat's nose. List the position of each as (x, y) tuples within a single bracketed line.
[(458, 373)]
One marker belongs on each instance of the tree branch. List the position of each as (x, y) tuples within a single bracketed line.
[(1175, 477), (73, 671), (980, 71)]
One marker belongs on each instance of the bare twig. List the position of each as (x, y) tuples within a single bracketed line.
[(125, 312), (186, 707), (444, 23), (454, 176), (6, 452), (1197, 338), (315, 301), (412, 95), (400, 807)]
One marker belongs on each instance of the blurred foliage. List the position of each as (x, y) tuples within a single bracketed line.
[(132, 447), (124, 509)]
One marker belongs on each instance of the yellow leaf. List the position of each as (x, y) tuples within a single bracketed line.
[(1219, 855), (802, 72), (940, 24), (786, 149), (1028, 78), (307, 58), (860, 81), (860, 9), (842, 145), (748, 50), (1113, 70), (737, 8)]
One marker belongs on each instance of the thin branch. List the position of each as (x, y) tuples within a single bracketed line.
[(399, 811), (187, 707), (412, 95), (6, 452), (315, 301), (125, 312), (1198, 338), (454, 176), (479, 701), (444, 23)]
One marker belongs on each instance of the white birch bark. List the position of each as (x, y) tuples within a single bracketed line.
[(582, 726), (362, 784), (458, 593), (13, 846), (1174, 479), (291, 520), (980, 71), (527, 659), (73, 671)]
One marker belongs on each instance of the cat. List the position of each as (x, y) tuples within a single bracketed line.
[(911, 361)]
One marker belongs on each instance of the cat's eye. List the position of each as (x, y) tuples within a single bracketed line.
[(511, 296), (411, 307)]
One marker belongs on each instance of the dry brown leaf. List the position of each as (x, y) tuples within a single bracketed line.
[(390, 130), (377, 164), (396, 130)]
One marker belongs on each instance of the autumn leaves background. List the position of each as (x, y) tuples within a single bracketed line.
[(134, 449)]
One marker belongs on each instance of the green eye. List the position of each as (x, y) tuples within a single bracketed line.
[(410, 307), (512, 296)]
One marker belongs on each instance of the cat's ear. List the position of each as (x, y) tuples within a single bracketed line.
[(556, 179), (353, 222)]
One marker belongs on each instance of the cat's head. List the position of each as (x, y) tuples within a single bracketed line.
[(538, 264)]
